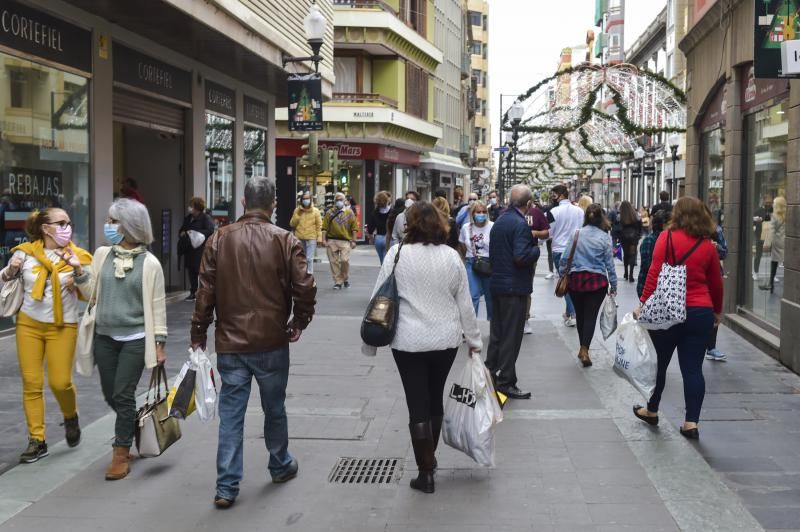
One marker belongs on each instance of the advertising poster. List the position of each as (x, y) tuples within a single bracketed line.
[(305, 102), (775, 21)]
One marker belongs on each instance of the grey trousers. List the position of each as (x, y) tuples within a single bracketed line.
[(506, 329)]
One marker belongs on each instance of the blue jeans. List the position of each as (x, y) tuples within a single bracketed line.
[(691, 339), (310, 247), (271, 371), (567, 299), (479, 286), (380, 246)]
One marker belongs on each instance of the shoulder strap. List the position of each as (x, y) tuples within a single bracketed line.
[(683, 259), (472, 243), (572, 251), (396, 258), (670, 249)]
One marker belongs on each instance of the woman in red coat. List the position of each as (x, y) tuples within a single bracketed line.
[(689, 225)]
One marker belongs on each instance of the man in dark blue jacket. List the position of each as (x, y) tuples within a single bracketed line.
[(513, 254)]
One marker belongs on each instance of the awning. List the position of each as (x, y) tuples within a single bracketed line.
[(443, 163)]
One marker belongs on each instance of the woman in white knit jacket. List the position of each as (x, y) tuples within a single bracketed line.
[(435, 307), (131, 314)]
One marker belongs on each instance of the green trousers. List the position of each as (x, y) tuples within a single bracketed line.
[(120, 365)]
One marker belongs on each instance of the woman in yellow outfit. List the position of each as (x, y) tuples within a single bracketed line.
[(51, 269), (307, 224)]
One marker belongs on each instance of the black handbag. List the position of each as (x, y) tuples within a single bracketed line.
[(380, 320), (480, 265)]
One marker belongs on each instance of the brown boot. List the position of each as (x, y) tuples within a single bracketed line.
[(422, 442), (119, 467), (583, 356)]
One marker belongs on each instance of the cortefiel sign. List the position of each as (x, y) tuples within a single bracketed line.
[(141, 71), (41, 35), (220, 99), (305, 102)]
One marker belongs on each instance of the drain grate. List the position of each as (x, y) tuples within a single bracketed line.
[(365, 471)]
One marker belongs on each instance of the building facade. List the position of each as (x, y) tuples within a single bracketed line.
[(182, 101), (743, 139), (380, 117), (478, 14)]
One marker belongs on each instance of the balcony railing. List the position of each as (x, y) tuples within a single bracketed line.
[(364, 97), (365, 4)]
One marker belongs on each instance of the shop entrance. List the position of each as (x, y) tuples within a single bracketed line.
[(149, 149)]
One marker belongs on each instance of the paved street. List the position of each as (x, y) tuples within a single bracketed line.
[(571, 459)]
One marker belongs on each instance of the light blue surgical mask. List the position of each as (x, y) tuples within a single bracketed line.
[(340, 204), (480, 218), (306, 202), (112, 234)]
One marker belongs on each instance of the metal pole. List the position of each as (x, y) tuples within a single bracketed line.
[(500, 180), (674, 186), (642, 184)]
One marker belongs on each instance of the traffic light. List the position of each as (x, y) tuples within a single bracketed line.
[(333, 160), (310, 154), (325, 161)]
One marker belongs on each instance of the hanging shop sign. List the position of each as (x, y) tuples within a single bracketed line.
[(305, 102), (36, 33), (220, 99), (776, 36), (255, 112), (147, 73), (166, 232)]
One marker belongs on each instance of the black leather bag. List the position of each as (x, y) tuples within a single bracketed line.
[(380, 320)]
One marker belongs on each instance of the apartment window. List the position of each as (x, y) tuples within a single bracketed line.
[(475, 18), (485, 23), (483, 81), (416, 91), (486, 50), (346, 70), (670, 66), (614, 41), (477, 75), (476, 48), (483, 135), (20, 95), (413, 13), (477, 135)]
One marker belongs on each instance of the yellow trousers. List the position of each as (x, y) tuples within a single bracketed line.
[(38, 343)]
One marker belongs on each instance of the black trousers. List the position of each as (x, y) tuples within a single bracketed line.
[(587, 307), (424, 376), (549, 244), (773, 271), (192, 264), (507, 326)]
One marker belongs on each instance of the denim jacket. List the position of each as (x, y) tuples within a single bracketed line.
[(594, 253)]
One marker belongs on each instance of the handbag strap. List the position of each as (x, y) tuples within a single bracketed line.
[(572, 251), (396, 258), (671, 250), (158, 375), (472, 243), (696, 245)]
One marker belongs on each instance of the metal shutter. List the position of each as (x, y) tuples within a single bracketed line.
[(131, 108)]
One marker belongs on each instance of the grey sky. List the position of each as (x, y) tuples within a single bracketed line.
[(526, 38)]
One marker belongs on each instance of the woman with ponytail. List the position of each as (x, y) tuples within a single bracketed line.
[(52, 271)]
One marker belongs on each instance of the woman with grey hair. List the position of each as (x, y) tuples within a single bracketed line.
[(131, 326)]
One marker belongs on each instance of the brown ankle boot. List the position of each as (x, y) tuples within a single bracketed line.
[(583, 356), (422, 442), (119, 467)]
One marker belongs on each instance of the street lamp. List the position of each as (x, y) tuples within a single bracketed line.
[(509, 141), (638, 154), (515, 114), (315, 25), (608, 185), (674, 142)]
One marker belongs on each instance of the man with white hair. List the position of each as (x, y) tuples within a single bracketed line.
[(513, 254), (339, 227), (254, 277)]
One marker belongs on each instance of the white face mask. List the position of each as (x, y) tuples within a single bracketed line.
[(409, 203)]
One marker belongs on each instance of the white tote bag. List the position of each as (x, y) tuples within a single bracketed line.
[(636, 359), (84, 347), (666, 306), (11, 297)]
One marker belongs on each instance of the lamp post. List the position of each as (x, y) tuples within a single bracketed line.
[(608, 185), (674, 142), (509, 141), (500, 168), (315, 25), (638, 154), (515, 114)]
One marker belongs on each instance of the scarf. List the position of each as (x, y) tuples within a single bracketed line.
[(123, 259), (46, 269)]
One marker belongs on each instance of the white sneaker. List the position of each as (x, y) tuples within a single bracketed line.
[(716, 355), (570, 322), (549, 276), (527, 329)]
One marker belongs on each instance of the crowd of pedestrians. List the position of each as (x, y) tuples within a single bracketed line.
[(444, 259)]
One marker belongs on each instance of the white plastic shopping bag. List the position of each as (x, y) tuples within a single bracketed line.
[(471, 413), (608, 317), (636, 358), (205, 391), (196, 238)]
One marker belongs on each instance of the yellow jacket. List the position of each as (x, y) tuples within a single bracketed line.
[(307, 224)]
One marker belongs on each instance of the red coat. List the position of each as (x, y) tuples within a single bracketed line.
[(703, 276)]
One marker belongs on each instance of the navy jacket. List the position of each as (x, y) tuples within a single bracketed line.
[(513, 255)]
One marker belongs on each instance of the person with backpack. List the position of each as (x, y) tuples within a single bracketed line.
[(687, 242)]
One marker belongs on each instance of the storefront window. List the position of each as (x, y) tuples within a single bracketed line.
[(712, 180), (44, 147), (255, 151), (219, 168), (766, 134)]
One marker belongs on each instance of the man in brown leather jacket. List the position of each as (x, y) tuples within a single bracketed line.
[(254, 276)]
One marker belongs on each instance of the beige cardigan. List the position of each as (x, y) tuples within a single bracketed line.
[(154, 298)]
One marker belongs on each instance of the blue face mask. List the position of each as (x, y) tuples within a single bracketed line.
[(112, 234), (340, 204), (480, 218)]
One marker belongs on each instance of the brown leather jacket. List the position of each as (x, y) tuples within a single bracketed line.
[(253, 274)]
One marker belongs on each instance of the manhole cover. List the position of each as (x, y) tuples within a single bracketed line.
[(365, 471)]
